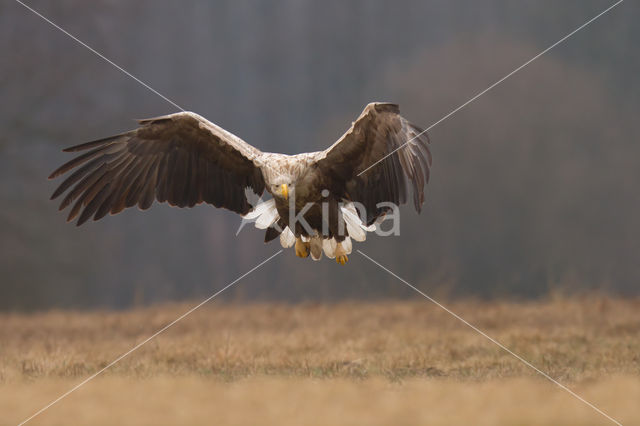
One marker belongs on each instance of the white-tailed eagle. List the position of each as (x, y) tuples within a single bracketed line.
[(186, 160)]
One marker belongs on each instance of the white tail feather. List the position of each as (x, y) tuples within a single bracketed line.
[(316, 247), (329, 246), (347, 245), (267, 219), (356, 229), (265, 214), (287, 239), (260, 209)]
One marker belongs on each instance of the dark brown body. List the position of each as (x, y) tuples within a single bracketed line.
[(314, 216)]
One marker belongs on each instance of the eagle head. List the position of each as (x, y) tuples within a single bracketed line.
[(281, 190)]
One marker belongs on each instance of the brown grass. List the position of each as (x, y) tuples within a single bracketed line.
[(351, 363)]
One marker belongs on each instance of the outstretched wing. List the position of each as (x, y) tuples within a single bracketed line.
[(350, 163), (180, 158)]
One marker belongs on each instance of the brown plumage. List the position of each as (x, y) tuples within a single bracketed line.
[(185, 160)]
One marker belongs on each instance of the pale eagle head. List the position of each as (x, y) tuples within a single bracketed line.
[(281, 190)]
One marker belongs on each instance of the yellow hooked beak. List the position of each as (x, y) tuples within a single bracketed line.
[(285, 191)]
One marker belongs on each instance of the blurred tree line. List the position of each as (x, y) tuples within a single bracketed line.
[(533, 187)]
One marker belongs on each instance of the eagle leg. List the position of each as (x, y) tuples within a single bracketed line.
[(302, 248), (341, 254)]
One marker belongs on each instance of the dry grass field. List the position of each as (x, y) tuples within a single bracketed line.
[(349, 363)]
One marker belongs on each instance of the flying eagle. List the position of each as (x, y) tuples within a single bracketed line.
[(185, 160)]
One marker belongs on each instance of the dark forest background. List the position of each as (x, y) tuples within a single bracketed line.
[(534, 185)]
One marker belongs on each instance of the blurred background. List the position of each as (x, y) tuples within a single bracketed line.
[(533, 189)]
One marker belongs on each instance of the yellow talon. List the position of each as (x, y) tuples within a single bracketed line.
[(341, 254), (302, 248)]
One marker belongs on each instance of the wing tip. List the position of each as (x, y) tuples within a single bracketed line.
[(167, 117), (95, 143), (385, 107), (153, 120)]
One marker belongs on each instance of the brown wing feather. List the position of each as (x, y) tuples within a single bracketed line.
[(377, 132), (179, 158)]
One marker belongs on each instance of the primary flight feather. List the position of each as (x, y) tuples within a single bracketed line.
[(185, 160)]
